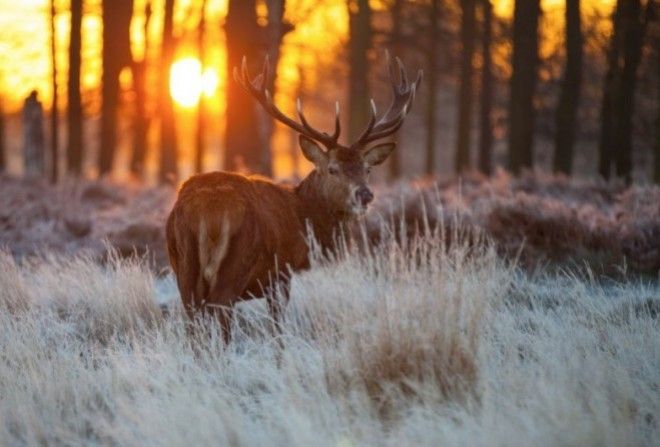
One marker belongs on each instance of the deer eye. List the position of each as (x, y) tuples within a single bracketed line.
[(332, 170), (368, 169)]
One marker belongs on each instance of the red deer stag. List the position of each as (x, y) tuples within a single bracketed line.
[(228, 234)]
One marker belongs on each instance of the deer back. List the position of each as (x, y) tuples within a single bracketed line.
[(231, 231)]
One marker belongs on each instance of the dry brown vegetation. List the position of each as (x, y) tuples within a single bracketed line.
[(539, 219), (83, 217)]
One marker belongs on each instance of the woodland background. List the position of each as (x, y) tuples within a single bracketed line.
[(142, 87)]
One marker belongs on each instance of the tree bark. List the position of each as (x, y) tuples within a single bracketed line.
[(277, 29), (200, 136), (395, 44), (431, 102), (3, 154), (634, 27), (610, 86), (74, 102), (468, 23), (523, 83), (656, 170), (486, 122), (54, 130), (569, 99), (168, 146), (115, 55), (141, 119), (358, 66), (243, 139)]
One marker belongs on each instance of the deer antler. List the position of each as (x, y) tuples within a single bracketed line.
[(257, 88), (404, 94)]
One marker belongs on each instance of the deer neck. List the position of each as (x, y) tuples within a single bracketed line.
[(315, 210)]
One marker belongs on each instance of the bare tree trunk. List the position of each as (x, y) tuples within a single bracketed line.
[(168, 149), (468, 24), (486, 122), (277, 29), (74, 102), (243, 140), (569, 99), (610, 86), (358, 66), (656, 171), (395, 44), (200, 136), (116, 55), (54, 131), (634, 28), (141, 120), (431, 101), (3, 155), (523, 83)]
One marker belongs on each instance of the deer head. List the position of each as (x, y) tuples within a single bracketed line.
[(342, 172)]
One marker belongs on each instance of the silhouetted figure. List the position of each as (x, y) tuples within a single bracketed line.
[(33, 136)]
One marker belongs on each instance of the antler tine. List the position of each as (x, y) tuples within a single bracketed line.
[(371, 123), (388, 128), (420, 76), (403, 75), (244, 71), (257, 88), (265, 70), (390, 69), (417, 82), (327, 140), (335, 134), (301, 115), (403, 95)]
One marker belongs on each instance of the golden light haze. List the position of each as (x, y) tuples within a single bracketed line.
[(188, 81), (24, 42)]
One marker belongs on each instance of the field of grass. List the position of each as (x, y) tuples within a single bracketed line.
[(432, 340)]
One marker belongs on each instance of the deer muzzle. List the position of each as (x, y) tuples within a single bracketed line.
[(363, 196)]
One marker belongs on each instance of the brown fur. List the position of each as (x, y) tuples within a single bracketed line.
[(229, 236)]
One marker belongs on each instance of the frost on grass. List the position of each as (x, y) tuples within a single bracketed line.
[(84, 217), (538, 219), (413, 342)]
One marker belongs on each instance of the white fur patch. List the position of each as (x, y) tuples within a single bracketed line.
[(210, 254)]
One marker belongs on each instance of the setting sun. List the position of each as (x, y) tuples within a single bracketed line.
[(188, 82)]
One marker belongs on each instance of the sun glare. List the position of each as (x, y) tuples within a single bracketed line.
[(188, 82)]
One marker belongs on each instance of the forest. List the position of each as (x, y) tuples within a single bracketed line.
[(144, 88)]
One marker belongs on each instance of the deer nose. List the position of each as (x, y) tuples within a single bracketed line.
[(364, 196)]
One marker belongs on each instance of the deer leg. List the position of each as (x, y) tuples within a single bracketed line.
[(224, 315), (182, 249), (228, 287)]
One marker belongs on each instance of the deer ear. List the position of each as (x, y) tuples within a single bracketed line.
[(312, 151), (378, 154)]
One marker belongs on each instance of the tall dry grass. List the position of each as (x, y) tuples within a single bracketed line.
[(412, 342)]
